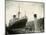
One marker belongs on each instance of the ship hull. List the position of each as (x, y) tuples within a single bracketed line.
[(19, 24)]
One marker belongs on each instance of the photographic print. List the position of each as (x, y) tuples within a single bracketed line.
[(24, 17)]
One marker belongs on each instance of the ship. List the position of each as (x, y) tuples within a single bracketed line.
[(19, 24), (17, 27)]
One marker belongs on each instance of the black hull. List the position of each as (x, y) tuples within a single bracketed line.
[(19, 24)]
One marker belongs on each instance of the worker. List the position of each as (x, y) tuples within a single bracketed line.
[(13, 20)]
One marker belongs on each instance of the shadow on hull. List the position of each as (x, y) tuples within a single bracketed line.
[(18, 24)]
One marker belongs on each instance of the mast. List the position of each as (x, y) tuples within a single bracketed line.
[(25, 15), (19, 10)]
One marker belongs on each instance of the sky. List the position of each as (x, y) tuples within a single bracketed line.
[(30, 8)]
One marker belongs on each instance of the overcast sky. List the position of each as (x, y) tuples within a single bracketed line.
[(31, 8)]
